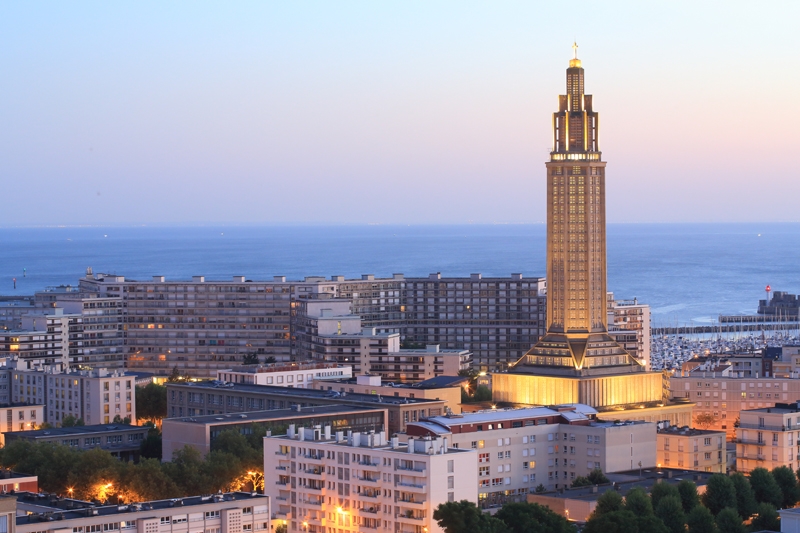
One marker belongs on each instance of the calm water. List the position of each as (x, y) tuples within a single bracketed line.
[(686, 272)]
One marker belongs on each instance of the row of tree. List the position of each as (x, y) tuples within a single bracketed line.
[(234, 463), (727, 504)]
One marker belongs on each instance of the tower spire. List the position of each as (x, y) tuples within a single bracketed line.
[(575, 50)]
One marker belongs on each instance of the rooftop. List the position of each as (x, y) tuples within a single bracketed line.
[(310, 394), (281, 367), (67, 509), (780, 408), (273, 414), (75, 430), (689, 432)]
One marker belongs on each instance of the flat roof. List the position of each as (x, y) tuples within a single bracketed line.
[(79, 507), (580, 412), (75, 430), (311, 394), (274, 414), (689, 432)]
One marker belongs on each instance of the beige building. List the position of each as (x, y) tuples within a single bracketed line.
[(445, 388), (349, 483), (721, 398), (20, 417), (629, 325), (297, 375), (520, 449), (692, 449), (768, 437)]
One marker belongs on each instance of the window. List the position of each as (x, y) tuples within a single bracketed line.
[(166, 520), (211, 514)]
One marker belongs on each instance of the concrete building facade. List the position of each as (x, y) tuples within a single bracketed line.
[(521, 449), (298, 375), (356, 482), (692, 449), (768, 437)]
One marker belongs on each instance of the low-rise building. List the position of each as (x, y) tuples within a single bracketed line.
[(121, 440), (20, 417), (521, 449), (190, 399), (15, 481), (692, 449), (768, 437), (198, 432), (297, 375), (447, 388), (235, 512), (349, 483)]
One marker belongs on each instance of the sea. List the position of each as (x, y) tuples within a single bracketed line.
[(688, 273)]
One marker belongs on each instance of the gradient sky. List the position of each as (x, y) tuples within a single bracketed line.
[(379, 112)]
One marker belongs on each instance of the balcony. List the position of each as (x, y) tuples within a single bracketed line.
[(411, 484), (409, 468), (370, 479)]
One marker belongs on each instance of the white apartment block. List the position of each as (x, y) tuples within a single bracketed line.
[(41, 341), (768, 437), (235, 512), (297, 375), (360, 482), (629, 325), (97, 396), (520, 449)]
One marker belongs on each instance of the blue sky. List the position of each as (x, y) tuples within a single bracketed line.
[(381, 112)]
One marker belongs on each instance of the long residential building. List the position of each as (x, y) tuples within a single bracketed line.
[(328, 481), (720, 398), (202, 327), (522, 449), (235, 512), (219, 398)]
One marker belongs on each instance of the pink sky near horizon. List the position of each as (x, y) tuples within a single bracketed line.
[(390, 113)]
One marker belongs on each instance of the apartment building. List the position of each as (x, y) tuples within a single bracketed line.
[(199, 431), (96, 395), (219, 398), (629, 325), (120, 440), (692, 449), (768, 437), (96, 334), (298, 375), (722, 397), (42, 340), (235, 512), (357, 482), (12, 308), (520, 449)]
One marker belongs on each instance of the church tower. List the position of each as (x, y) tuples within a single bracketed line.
[(577, 360)]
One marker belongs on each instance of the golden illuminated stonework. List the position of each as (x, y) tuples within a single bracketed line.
[(577, 345)]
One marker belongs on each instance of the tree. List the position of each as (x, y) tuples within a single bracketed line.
[(119, 420), (151, 446), (765, 487), (745, 497), (720, 493), (527, 517), (250, 359), (608, 502), (662, 490), (70, 421), (151, 402), (638, 502), (705, 420), (465, 517), (147, 481), (787, 481), (670, 511), (270, 360), (482, 394), (729, 521), (540, 489), (766, 518), (700, 520), (597, 477), (689, 497), (175, 375), (612, 522), (581, 481)]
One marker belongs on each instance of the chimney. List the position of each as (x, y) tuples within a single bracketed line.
[(356, 440), (290, 433), (410, 445), (395, 442), (327, 433), (339, 436), (238, 279), (198, 279)]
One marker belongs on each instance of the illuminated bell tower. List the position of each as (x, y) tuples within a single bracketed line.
[(577, 333)]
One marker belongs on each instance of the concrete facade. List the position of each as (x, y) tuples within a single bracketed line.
[(297, 375), (768, 437), (326, 481), (520, 449), (692, 449), (120, 440)]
